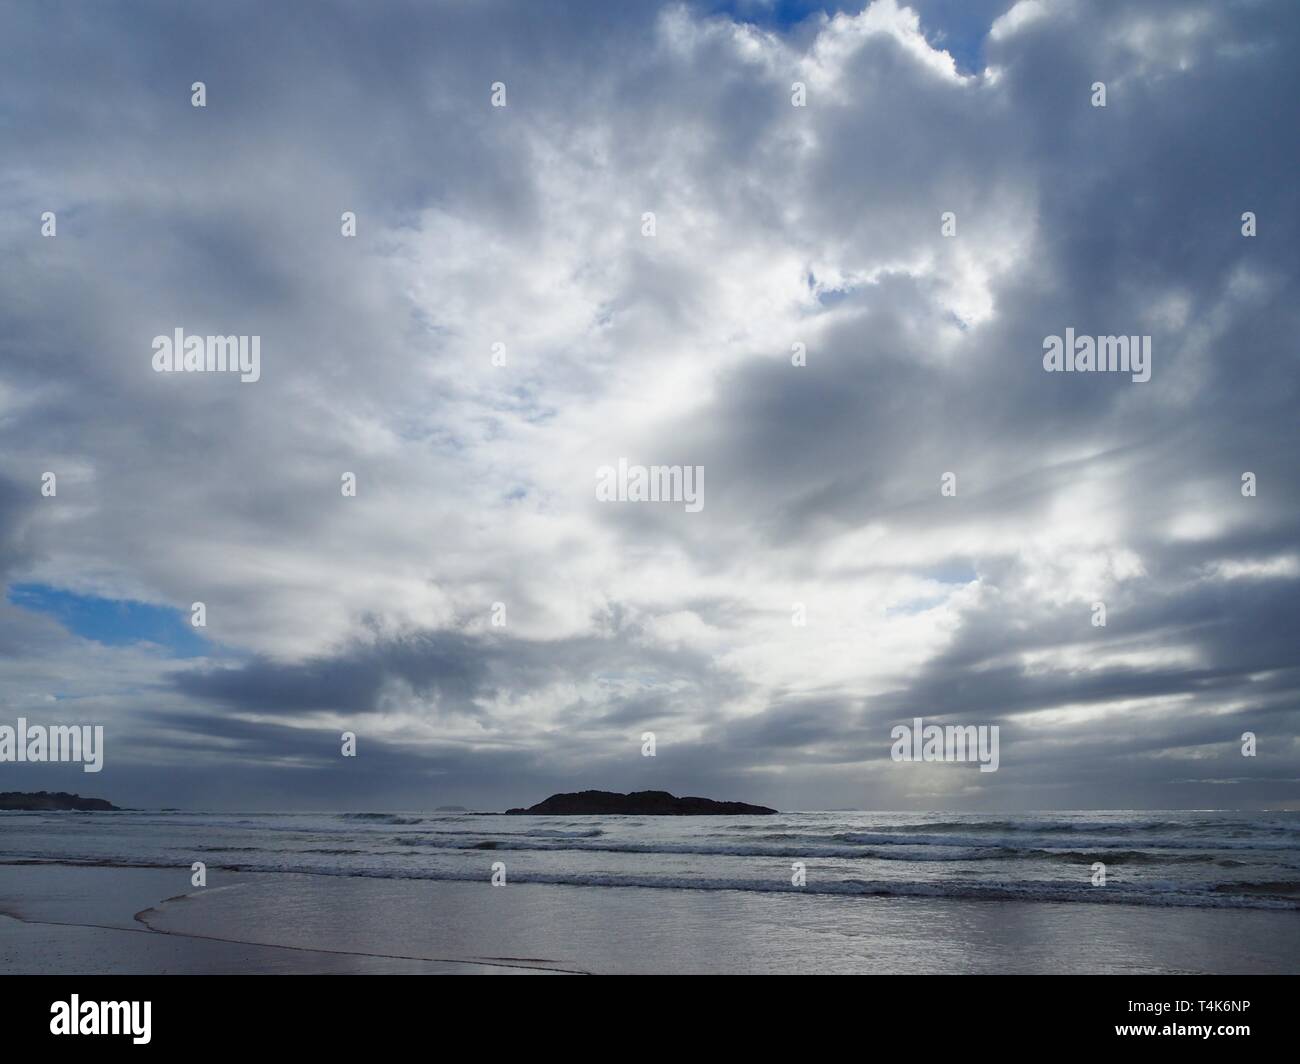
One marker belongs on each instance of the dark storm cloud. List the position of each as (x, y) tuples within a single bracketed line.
[(448, 667)]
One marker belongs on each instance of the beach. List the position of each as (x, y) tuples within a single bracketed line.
[(112, 893)]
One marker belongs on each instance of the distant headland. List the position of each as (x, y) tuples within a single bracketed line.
[(53, 801), (638, 803)]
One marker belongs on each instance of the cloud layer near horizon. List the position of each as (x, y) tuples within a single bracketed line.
[(775, 225)]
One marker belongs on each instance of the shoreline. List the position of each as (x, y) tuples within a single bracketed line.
[(34, 939), (71, 918)]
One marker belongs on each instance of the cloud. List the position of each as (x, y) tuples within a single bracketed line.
[(775, 225)]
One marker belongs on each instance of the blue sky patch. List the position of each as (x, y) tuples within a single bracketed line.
[(959, 27), (113, 622)]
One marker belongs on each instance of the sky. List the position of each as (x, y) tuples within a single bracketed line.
[(776, 228)]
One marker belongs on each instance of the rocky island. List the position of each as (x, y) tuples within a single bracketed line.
[(53, 801), (638, 803)]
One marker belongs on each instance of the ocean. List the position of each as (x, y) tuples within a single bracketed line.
[(1202, 859), (795, 892)]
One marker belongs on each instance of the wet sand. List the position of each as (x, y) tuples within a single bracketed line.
[(64, 918), (60, 919)]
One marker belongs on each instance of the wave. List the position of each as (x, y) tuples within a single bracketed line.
[(913, 854), (1129, 857), (1283, 895), (1283, 888), (878, 838), (813, 849), (1114, 827), (1160, 858), (520, 844), (1045, 827), (383, 818)]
